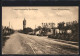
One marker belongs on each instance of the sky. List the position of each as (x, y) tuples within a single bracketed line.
[(37, 15)]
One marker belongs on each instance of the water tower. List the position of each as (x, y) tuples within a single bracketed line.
[(24, 23)]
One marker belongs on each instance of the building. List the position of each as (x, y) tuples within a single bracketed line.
[(24, 23), (48, 25)]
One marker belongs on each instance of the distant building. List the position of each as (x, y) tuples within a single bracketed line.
[(24, 23), (48, 25)]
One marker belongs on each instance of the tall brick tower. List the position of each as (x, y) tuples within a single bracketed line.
[(24, 23)]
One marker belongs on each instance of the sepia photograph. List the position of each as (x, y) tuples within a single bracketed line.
[(36, 30)]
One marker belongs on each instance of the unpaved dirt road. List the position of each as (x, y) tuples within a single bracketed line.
[(19, 43)]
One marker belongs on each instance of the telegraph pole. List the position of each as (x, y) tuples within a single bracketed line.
[(9, 24), (35, 26), (11, 27)]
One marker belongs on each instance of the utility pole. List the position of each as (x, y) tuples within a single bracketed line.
[(11, 27), (35, 26), (9, 24)]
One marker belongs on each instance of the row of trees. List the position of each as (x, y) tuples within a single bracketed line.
[(43, 31), (73, 26), (27, 30), (63, 28), (39, 28), (7, 31), (73, 36)]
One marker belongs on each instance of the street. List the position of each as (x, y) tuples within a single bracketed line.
[(19, 43)]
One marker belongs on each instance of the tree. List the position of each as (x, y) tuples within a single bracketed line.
[(61, 26), (27, 30), (39, 28)]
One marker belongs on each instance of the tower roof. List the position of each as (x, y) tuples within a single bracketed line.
[(24, 19)]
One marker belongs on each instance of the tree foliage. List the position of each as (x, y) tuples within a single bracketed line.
[(27, 30)]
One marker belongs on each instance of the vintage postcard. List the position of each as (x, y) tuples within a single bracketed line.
[(40, 30)]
